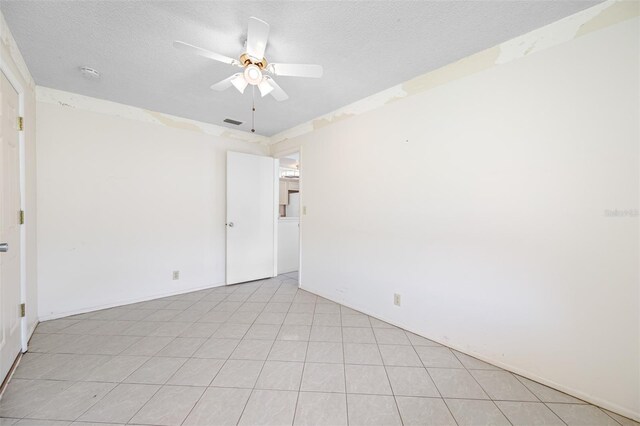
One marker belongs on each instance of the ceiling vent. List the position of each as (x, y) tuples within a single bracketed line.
[(230, 121)]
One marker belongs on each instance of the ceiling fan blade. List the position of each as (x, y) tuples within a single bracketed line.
[(228, 82), (203, 52), (239, 82), (277, 91), (265, 87), (296, 70), (257, 37)]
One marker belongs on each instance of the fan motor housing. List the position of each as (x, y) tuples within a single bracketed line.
[(245, 60)]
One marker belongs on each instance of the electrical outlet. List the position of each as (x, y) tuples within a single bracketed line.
[(396, 299), (176, 275), (304, 210)]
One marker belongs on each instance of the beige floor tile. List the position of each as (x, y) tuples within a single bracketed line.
[(411, 381), (362, 353), (218, 406), (73, 401), (238, 374), (456, 383), (321, 409), (365, 410), (288, 351), (279, 375), (330, 352), (196, 372), (400, 355), (528, 413), (155, 371), (323, 378), (367, 379), (582, 415), (169, 406), (116, 369), (424, 411), (269, 407), (468, 412), (320, 333), (121, 404), (502, 385)]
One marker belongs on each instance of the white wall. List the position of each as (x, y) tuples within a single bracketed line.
[(123, 203), (14, 66), (482, 201), (288, 244)]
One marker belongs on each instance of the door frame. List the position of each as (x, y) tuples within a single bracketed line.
[(279, 155), (15, 82)]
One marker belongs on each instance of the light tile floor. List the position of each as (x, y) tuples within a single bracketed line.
[(264, 353)]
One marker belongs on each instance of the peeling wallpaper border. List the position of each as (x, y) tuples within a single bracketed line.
[(556, 33), (589, 20), (100, 106)]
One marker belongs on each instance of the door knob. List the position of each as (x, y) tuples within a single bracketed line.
[(4, 247), (230, 224)]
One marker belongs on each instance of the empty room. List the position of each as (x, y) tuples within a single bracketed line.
[(333, 213)]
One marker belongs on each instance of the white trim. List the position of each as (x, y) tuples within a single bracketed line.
[(126, 302), (278, 155), (519, 371), (276, 212), (15, 82), (300, 215)]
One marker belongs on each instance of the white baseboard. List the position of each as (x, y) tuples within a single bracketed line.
[(608, 405), (123, 303), (31, 331)]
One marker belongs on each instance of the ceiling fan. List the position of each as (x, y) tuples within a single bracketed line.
[(257, 71)]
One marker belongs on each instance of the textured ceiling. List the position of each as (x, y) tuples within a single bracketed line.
[(364, 47)]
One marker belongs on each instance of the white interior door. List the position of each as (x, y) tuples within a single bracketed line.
[(10, 331), (252, 205)]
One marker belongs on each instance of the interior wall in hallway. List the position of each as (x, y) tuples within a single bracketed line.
[(125, 202)]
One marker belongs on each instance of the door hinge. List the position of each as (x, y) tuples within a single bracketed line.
[(21, 217), (23, 308), (20, 124)]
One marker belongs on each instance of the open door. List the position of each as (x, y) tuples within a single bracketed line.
[(251, 217), (10, 321)]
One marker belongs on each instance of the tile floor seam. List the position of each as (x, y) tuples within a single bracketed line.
[(427, 370), (482, 387), (502, 412), (222, 366), (218, 372), (264, 362), (304, 363), (344, 366), (387, 375), (555, 414)]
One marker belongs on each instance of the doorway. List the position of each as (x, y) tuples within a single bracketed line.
[(10, 236), (289, 212)]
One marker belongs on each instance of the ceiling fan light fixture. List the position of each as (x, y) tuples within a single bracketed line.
[(265, 87), (253, 74), (239, 83)]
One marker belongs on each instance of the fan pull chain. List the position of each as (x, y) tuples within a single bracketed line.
[(253, 108)]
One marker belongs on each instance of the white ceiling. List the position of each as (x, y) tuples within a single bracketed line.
[(364, 46)]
